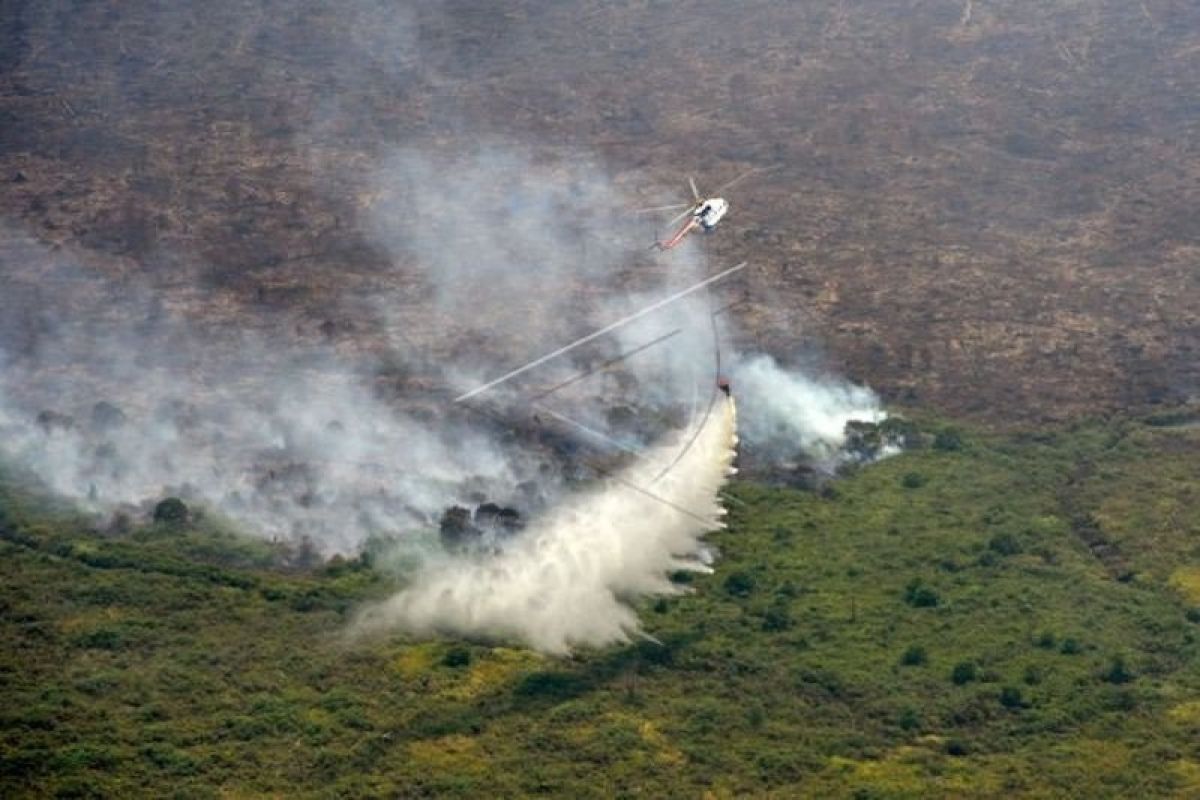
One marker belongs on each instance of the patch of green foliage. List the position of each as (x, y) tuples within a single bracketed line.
[(960, 634)]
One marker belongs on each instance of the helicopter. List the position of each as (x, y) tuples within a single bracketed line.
[(703, 212)]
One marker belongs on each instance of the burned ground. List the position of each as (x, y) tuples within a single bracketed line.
[(983, 208)]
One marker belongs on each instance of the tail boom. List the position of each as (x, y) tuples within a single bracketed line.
[(687, 228)]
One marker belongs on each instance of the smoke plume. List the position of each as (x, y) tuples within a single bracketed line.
[(117, 390), (789, 411)]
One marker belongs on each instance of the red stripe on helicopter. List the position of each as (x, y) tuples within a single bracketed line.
[(678, 237)]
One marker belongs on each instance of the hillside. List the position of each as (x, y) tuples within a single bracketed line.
[(984, 616), (284, 280), (985, 208)]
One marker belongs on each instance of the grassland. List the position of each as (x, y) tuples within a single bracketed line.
[(990, 616)]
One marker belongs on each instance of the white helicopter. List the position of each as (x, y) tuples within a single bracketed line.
[(703, 213)]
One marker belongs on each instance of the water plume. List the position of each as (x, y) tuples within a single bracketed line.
[(569, 580)]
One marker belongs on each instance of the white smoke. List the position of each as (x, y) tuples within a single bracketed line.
[(499, 255), (518, 251), (115, 400), (568, 580), (789, 411), (322, 459)]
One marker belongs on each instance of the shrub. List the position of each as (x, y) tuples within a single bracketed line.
[(457, 657), (777, 618), (918, 595), (168, 759), (1122, 700), (914, 656), (739, 584), (1006, 544), (554, 685), (948, 440), (755, 717), (336, 566), (957, 747), (1117, 672), (908, 719), (912, 480), (964, 672), (85, 756), (1070, 647), (101, 639), (1010, 697), (826, 681), (1046, 640)]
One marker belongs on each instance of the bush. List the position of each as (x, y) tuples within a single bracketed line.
[(777, 618), (957, 747), (1117, 672), (1010, 697), (457, 657), (914, 656), (948, 440), (101, 639), (553, 685), (964, 672), (912, 480), (1070, 647), (1046, 640), (1006, 544), (166, 758), (85, 756), (918, 595), (740, 584)]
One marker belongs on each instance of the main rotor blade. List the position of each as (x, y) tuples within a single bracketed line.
[(671, 207), (690, 209), (695, 193), (742, 177), (597, 334)]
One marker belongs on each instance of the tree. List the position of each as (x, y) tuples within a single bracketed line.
[(456, 530), (171, 511)]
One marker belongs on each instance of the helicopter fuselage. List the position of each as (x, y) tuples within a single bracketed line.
[(711, 211)]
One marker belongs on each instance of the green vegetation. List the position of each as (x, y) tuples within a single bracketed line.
[(1020, 621)]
